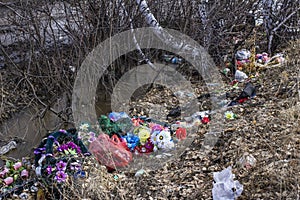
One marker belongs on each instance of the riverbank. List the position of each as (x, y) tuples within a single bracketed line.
[(266, 129)]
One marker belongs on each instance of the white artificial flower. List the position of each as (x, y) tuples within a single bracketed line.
[(84, 127), (163, 138)]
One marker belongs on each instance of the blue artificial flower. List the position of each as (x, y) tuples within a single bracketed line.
[(132, 140)]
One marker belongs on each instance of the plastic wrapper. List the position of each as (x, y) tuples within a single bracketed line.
[(225, 188), (240, 76), (242, 54), (111, 152)]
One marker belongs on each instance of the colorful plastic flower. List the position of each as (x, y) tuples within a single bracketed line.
[(137, 121), (149, 145), (61, 166), (132, 140), (60, 176), (17, 165), (24, 173), (84, 127), (49, 170), (205, 120), (69, 148), (92, 137), (73, 146), (143, 133), (153, 137), (4, 172), (155, 127), (230, 115), (181, 133), (8, 180), (163, 138)]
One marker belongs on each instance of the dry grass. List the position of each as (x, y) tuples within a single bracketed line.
[(267, 127)]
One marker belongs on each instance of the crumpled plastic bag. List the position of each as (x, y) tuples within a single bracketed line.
[(240, 76), (6, 148), (248, 91), (225, 188), (242, 54), (111, 152)]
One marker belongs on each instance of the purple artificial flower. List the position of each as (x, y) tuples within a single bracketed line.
[(49, 170), (61, 166), (72, 145), (63, 147), (149, 145), (60, 176), (92, 137)]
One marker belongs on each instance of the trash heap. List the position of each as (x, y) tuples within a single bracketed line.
[(245, 62), (124, 137), (62, 155)]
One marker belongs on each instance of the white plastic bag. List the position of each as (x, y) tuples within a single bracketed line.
[(240, 76), (225, 188)]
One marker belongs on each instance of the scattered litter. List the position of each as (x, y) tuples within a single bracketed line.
[(242, 54), (225, 71), (247, 160), (263, 61), (230, 115), (240, 76), (248, 92), (176, 112), (110, 152), (116, 177), (8, 147), (172, 59), (139, 173), (262, 58), (184, 94), (224, 187)]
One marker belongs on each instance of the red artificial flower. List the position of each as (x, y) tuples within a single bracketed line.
[(137, 121), (243, 100), (181, 133), (205, 120)]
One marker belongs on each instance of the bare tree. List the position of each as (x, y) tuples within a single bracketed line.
[(280, 18)]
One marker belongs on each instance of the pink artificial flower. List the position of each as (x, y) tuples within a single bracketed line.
[(155, 127), (8, 180), (2, 174), (17, 165), (24, 173)]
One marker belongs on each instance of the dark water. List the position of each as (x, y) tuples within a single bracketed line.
[(29, 129)]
